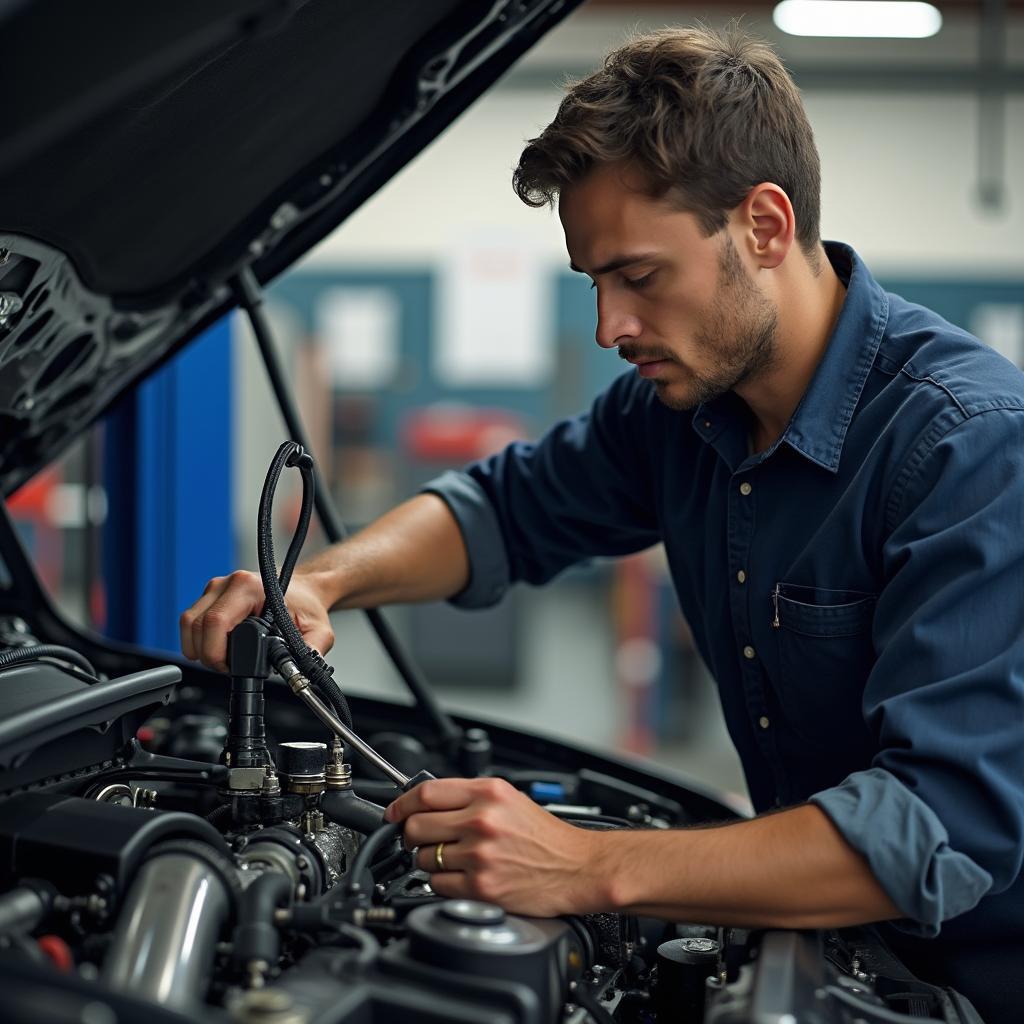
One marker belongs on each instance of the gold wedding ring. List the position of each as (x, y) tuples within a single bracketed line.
[(439, 856)]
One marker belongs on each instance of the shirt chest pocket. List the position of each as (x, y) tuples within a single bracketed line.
[(825, 655)]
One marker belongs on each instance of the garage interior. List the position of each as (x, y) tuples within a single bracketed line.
[(439, 322), (921, 143)]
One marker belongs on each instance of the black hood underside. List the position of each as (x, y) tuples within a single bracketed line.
[(153, 150)]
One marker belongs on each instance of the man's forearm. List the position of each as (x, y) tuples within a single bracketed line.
[(415, 552), (792, 869)]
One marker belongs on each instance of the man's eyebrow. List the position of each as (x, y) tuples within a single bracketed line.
[(616, 264)]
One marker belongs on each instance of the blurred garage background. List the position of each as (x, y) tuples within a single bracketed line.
[(442, 320)]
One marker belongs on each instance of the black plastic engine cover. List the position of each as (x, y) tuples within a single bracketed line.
[(70, 841)]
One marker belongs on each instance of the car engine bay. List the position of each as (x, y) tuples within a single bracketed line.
[(168, 855)]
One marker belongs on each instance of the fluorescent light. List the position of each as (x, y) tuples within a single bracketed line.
[(889, 18)]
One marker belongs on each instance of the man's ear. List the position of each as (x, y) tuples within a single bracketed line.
[(768, 223)]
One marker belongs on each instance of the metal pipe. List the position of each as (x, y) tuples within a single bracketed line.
[(166, 935), (301, 686), (25, 907)]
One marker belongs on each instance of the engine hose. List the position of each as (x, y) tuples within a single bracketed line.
[(304, 464), (255, 936), (285, 455), (311, 664), (24, 655), (345, 807), (327, 689), (372, 845)]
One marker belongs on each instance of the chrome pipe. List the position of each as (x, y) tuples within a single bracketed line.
[(166, 934), (299, 684)]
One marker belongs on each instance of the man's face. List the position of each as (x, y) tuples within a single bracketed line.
[(678, 305)]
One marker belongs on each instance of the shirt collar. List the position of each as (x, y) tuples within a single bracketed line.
[(818, 427)]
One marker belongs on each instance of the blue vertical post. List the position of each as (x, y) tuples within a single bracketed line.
[(167, 469)]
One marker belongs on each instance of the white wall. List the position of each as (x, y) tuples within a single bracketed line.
[(899, 170)]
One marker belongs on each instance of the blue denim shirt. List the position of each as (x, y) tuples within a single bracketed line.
[(857, 590)]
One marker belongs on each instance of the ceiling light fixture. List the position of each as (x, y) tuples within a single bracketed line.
[(878, 18)]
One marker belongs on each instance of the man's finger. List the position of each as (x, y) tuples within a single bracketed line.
[(434, 827), (432, 795), (227, 611), (451, 859), (192, 618)]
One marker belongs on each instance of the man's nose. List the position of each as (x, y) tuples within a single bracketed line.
[(615, 325)]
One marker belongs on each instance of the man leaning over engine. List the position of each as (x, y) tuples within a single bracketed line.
[(837, 477)]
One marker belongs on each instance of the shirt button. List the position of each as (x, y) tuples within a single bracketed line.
[(707, 424), (763, 722), (749, 653), (745, 488), (741, 576)]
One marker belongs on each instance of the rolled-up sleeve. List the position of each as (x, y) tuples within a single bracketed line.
[(485, 546), (939, 816), (907, 848), (533, 509)]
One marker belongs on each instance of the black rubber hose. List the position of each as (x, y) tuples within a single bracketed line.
[(305, 466), (312, 665), (345, 808), (372, 845), (247, 291), (265, 534), (255, 936), (328, 690), (25, 655)]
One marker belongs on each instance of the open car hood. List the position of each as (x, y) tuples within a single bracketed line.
[(152, 151)]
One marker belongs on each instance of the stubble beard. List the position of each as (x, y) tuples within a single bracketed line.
[(739, 331)]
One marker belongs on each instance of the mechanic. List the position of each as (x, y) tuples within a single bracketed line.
[(837, 477)]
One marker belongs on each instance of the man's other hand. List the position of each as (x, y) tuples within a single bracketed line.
[(499, 846), (227, 600)]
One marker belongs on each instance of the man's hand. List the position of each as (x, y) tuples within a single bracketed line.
[(791, 869), (499, 846), (227, 600)]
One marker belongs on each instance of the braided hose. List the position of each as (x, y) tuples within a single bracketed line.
[(310, 662)]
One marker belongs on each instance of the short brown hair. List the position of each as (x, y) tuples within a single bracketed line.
[(701, 114)]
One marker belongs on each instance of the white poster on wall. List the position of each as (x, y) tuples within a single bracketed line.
[(1001, 325), (495, 314), (360, 328)]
